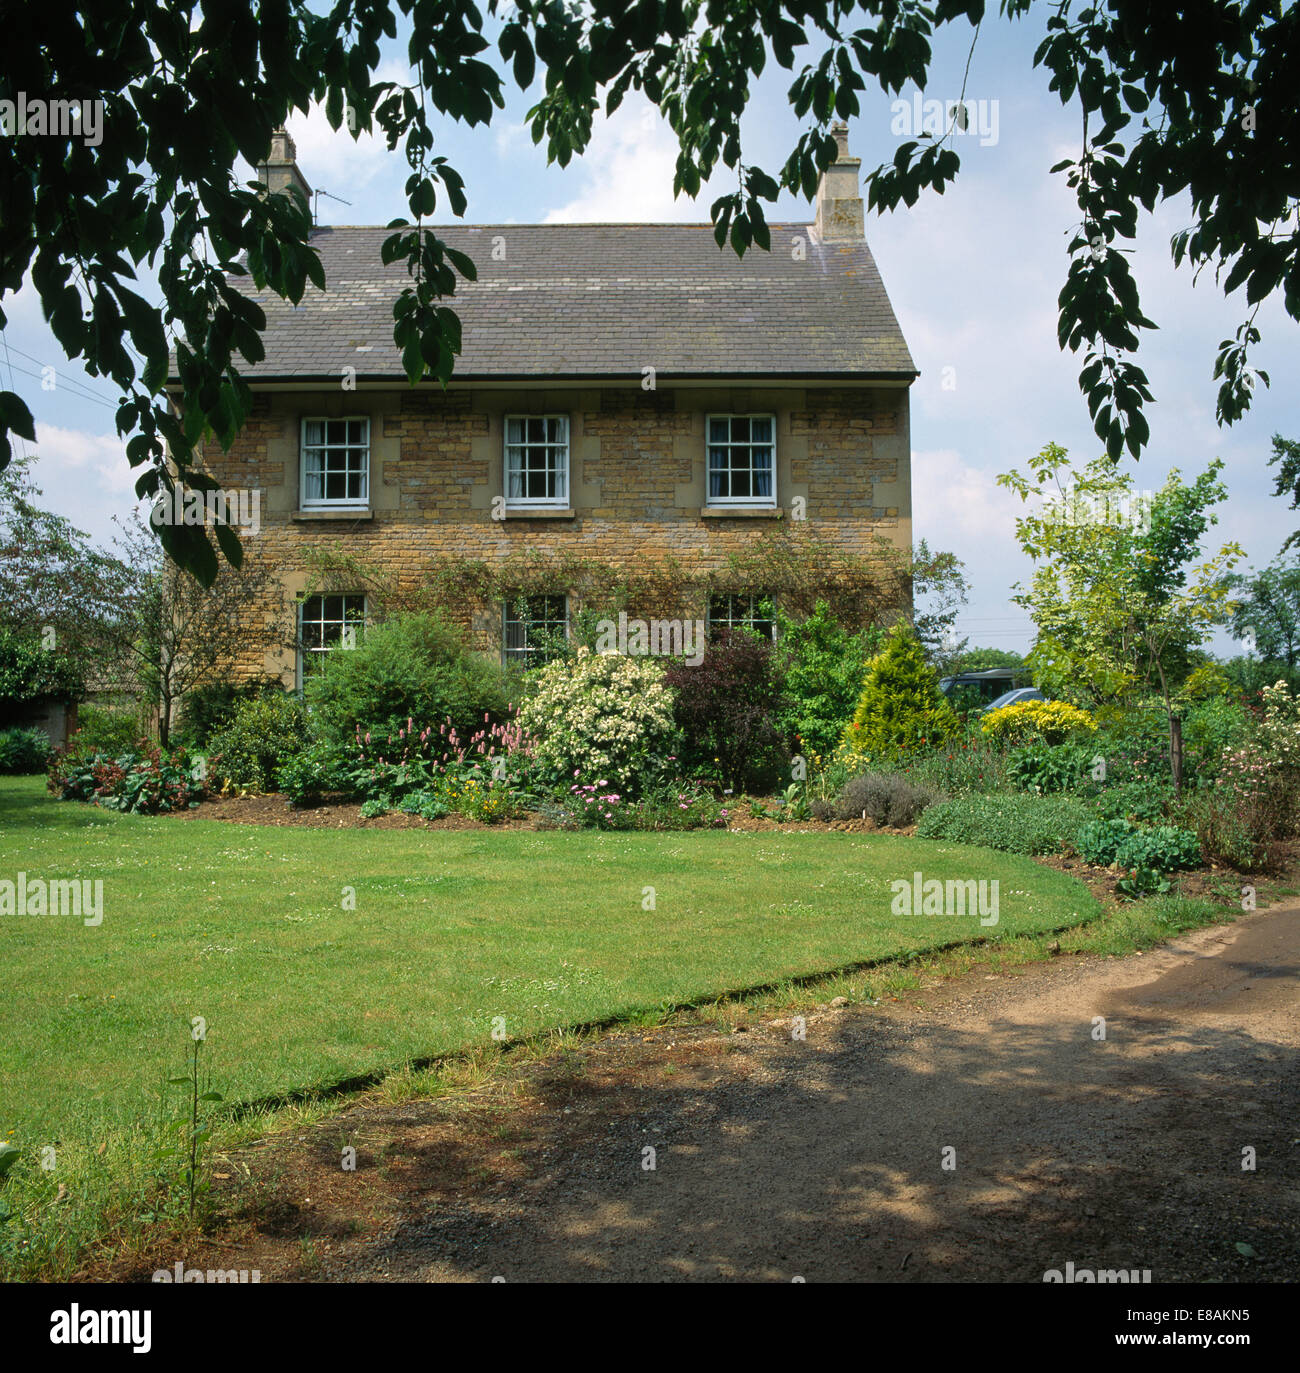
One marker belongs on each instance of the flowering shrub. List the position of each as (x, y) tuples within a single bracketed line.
[(1051, 721), (1254, 799), (596, 805), (600, 716), (593, 805), (420, 771), (1279, 730), (143, 782)]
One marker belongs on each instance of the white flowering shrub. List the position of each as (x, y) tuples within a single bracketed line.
[(600, 717), (1279, 731)]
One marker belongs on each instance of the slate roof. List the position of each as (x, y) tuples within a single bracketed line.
[(602, 301)]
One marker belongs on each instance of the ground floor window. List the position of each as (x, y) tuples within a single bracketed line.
[(534, 625), (741, 610), (324, 624)]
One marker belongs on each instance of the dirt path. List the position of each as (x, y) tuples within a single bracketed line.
[(822, 1158)]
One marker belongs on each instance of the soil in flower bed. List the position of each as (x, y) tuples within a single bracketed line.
[(274, 809)]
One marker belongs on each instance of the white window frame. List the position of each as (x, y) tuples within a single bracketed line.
[(562, 445), (338, 502), (526, 655), (322, 596), (755, 598), (759, 502)]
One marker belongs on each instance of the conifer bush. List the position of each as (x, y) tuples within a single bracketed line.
[(901, 709)]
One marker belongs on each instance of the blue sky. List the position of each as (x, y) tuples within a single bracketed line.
[(973, 275)]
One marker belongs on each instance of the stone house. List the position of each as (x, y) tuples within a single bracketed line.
[(627, 393)]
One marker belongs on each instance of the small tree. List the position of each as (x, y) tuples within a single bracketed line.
[(1269, 611), (1118, 608), (901, 707), (175, 635)]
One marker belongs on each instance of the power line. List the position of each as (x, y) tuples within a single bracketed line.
[(95, 400), (80, 387)]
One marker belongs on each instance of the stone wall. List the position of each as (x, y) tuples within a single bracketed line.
[(637, 480)]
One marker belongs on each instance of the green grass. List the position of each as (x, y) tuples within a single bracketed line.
[(246, 926)]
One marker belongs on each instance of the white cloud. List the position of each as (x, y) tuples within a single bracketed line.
[(957, 506), (627, 174), (84, 476)]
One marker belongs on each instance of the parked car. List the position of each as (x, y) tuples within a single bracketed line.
[(1013, 698), (968, 690)]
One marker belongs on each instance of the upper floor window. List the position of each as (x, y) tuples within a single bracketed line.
[(745, 610), (335, 462), (742, 460), (326, 623), (537, 460), (532, 626)]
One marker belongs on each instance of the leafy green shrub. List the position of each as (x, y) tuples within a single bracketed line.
[(1135, 744), (412, 667), (1018, 824), (600, 715), (209, 708), (1143, 801), (143, 782), (887, 798), (314, 771), (1164, 848), (264, 732), (1140, 882), (426, 804), (1211, 730), (1051, 767), (23, 751), (728, 708), (901, 708), (823, 665), (100, 730)]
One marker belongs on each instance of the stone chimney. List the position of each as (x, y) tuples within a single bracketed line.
[(839, 206), (280, 170)]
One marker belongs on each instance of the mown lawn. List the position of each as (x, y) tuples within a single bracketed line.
[(246, 926)]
